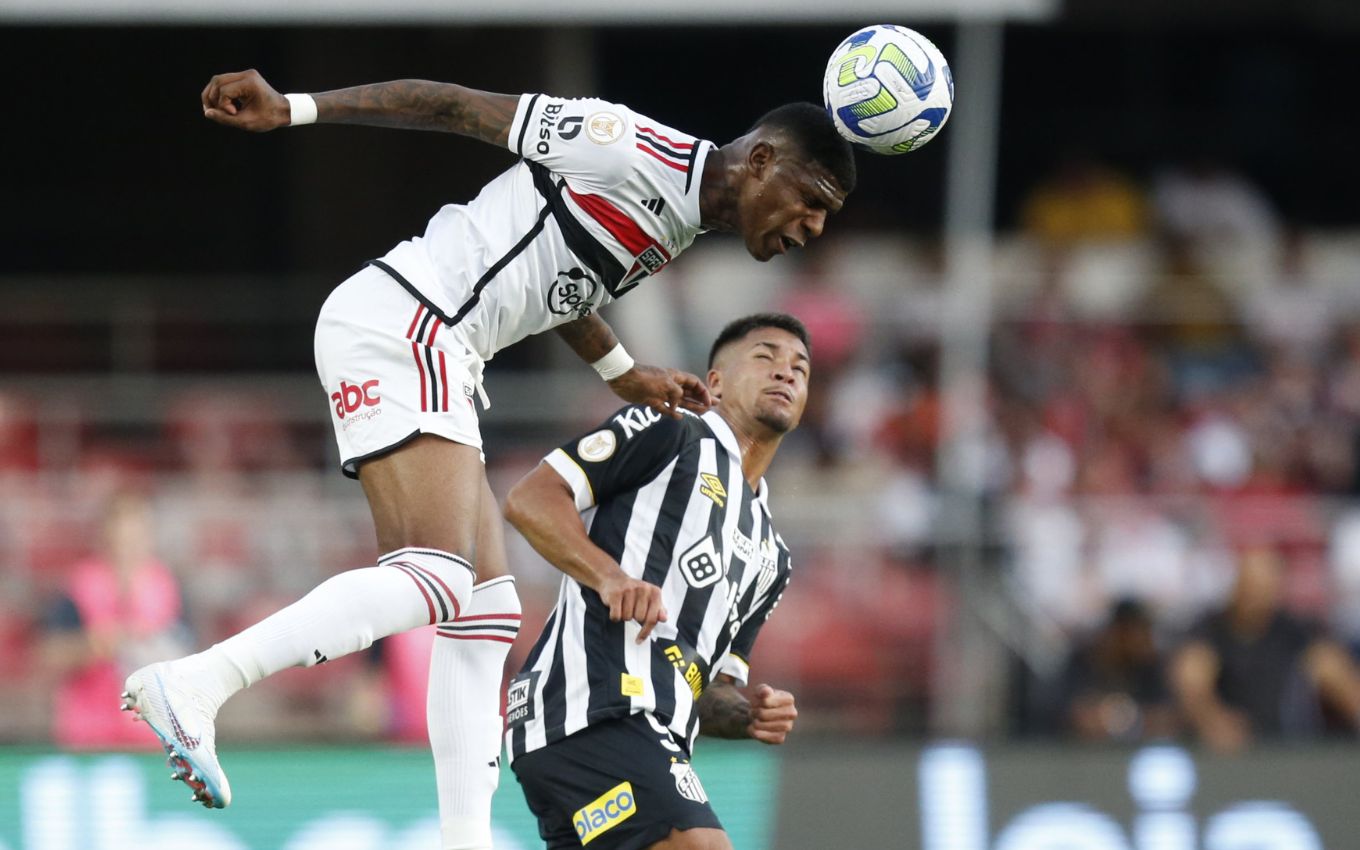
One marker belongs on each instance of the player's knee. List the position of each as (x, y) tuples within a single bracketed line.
[(407, 539)]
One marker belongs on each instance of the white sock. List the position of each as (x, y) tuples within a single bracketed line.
[(464, 711), (409, 588)]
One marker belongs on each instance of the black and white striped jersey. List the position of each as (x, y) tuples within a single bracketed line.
[(667, 499), (602, 198)]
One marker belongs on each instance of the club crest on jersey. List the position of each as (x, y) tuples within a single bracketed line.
[(604, 128), (769, 554), (573, 292), (769, 571), (652, 259), (687, 782), (712, 488)]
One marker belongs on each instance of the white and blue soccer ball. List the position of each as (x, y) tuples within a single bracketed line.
[(888, 89)]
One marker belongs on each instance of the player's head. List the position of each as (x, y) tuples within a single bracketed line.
[(796, 171), (758, 370)]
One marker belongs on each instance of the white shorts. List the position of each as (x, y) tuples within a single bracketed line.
[(392, 370)]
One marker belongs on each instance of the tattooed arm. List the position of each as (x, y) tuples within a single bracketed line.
[(724, 712), (243, 99)]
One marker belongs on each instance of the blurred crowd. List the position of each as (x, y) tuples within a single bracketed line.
[(1166, 466)]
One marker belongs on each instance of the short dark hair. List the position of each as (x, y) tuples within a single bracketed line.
[(739, 328), (815, 134)]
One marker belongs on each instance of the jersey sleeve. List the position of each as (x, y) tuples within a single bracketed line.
[(623, 453), (587, 140), (737, 661)]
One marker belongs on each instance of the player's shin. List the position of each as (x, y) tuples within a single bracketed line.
[(463, 707)]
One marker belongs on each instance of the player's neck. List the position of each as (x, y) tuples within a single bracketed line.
[(758, 445), (718, 191)]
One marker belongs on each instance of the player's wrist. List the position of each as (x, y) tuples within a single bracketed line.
[(301, 109), (615, 364)]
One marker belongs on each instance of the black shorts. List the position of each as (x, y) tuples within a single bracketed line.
[(617, 785)]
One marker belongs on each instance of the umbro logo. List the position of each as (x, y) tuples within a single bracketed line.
[(654, 205)]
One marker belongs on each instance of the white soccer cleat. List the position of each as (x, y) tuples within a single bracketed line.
[(182, 717)]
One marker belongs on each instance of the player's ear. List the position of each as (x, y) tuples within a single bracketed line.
[(715, 384), (759, 157)]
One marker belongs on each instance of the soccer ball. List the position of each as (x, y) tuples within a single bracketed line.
[(888, 89)]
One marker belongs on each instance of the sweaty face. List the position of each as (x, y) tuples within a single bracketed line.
[(764, 376), (786, 203)]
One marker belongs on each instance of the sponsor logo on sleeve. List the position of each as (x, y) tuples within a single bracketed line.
[(598, 446), (569, 128), (519, 699), (546, 120), (687, 782), (605, 812), (635, 420), (604, 128)]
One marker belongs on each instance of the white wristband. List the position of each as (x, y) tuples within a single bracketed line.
[(302, 109), (613, 364)]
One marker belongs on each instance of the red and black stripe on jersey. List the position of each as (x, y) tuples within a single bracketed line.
[(677, 155), (673, 153)]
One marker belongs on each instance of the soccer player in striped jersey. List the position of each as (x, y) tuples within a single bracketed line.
[(672, 565), (600, 199)]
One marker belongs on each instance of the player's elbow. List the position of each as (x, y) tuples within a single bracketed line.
[(518, 509)]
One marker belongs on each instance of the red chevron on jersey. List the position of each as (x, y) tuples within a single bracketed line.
[(632, 237)]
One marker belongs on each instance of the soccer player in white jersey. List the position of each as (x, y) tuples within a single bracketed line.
[(602, 719), (600, 199)]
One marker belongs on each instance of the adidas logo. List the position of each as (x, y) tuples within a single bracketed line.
[(654, 205)]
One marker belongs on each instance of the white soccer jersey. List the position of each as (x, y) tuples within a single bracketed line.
[(602, 198)]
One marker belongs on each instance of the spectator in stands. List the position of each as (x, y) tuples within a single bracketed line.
[(1191, 319), (1293, 310), (121, 609), (835, 322), (1084, 201), (1203, 202), (1114, 688), (1255, 671)]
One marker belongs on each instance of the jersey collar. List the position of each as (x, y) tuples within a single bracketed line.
[(723, 432)]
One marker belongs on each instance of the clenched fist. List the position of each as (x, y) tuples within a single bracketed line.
[(243, 99)]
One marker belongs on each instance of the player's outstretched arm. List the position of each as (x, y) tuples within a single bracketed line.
[(725, 712), (542, 508), (664, 390), (245, 100)]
